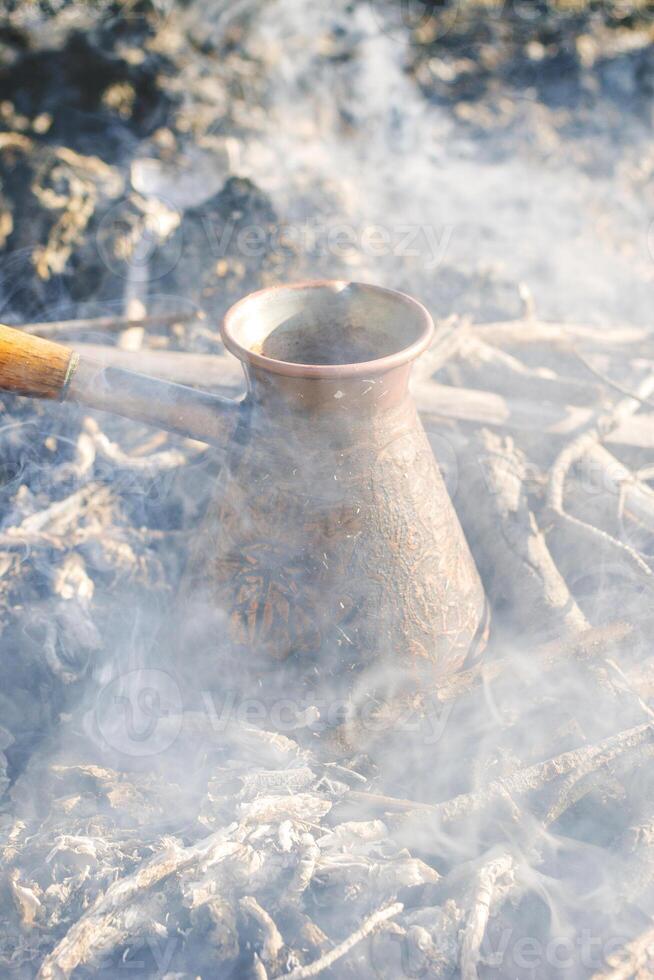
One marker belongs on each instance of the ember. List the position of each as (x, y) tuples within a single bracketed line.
[(157, 813)]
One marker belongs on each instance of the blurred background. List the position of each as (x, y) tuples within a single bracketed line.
[(495, 143)]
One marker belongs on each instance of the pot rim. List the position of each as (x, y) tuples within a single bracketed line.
[(357, 369)]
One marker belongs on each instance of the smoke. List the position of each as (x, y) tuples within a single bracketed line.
[(131, 747), (501, 181)]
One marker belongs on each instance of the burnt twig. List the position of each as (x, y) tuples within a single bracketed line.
[(591, 644), (581, 761), (272, 942), (371, 924), (511, 553), (572, 453), (490, 888), (154, 463), (50, 328), (526, 332)]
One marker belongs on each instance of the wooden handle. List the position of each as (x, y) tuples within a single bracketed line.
[(33, 366), (39, 368)]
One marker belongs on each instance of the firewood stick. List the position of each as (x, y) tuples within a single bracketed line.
[(387, 804), (610, 382), (56, 520), (589, 647), (272, 939), (605, 472), (603, 422), (116, 324), (154, 463), (309, 853), (486, 895), (446, 343), (510, 550), (573, 788), (587, 758), (593, 643), (436, 402), (524, 332), (371, 924), (504, 372), (580, 761), (203, 370)]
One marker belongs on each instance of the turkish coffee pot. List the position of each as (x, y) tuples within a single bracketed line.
[(331, 545)]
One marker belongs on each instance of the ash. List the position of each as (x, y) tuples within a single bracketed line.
[(157, 162)]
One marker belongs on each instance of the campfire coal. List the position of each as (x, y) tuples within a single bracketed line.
[(158, 162)]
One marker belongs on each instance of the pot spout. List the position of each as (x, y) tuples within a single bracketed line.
[(40, 368)]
